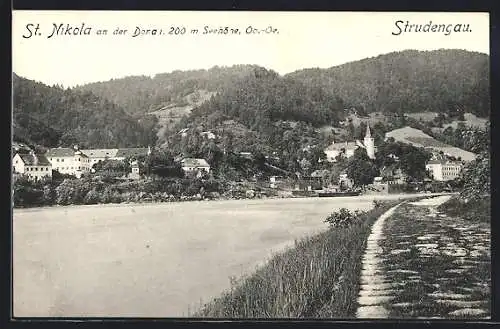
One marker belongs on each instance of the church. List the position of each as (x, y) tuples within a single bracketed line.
[(346, 149)]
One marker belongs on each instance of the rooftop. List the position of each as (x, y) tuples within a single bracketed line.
[(444, 162), (127, 152), (60, 152), (341, 145), (192, 162), (113, 153), (34, 159), (100, 153)]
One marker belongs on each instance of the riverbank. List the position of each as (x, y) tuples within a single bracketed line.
[(152, 260), (317, 278), (154, 203)]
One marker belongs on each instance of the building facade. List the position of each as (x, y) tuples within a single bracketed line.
[(69, 161), (76, 162), (347, 149), (34, 166), (192, 165), (135, 170), (444, 170), (96, 155)]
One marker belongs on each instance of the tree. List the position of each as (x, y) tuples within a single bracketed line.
[(410, 159), (361, 168), (113, 168), (413, 161), (477, 178)]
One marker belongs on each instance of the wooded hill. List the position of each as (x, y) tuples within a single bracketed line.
[(114, 113), (409, 81), (52, 116), (143, 94)]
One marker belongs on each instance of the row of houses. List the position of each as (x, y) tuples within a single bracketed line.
[(77, 162), (73, 161)]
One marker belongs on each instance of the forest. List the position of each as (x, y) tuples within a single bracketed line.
[(53, 116), (406, 81), (409, 81), (253, 109)]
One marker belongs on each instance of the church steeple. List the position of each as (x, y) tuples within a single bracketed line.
[(369, 143)]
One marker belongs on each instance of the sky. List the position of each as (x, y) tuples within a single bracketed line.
[(297, 40)]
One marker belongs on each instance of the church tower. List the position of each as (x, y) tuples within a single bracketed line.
[(369, 142)]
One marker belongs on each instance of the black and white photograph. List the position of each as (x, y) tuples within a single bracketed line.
[(251, 165)]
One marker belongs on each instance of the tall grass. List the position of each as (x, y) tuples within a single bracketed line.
[(319, 277), (475, 210)]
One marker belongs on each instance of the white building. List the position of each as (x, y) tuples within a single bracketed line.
[(35, 166), (444, 170), (70, 161), (135, 170), (199, 166), (274, 181), (96, 155), (346, 149), (345, 181), (208, 135)]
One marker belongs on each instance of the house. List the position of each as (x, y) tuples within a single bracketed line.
[(35, 166), (393, 175), (208, 135), (441, 170), (274, 181), (70, 161), (346, 149), (96, 155), (190, 165), (135, 173), (345, 182)]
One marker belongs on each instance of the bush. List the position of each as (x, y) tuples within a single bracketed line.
[(27, 195), (49, 195), (343, 218), (72, 191), (92, 197)]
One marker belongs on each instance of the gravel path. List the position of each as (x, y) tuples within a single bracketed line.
[(425, 264), (375, 289)]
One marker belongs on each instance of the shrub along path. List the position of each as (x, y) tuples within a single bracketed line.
[(420, 263)]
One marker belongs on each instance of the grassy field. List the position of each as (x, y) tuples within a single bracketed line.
[(318, 278)]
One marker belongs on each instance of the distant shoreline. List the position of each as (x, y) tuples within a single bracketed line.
[(161, 203)]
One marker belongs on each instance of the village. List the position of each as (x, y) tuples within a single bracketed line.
[(264, 165), (445, 165)]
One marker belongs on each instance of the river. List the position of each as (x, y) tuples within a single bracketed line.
[(151, 260)]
